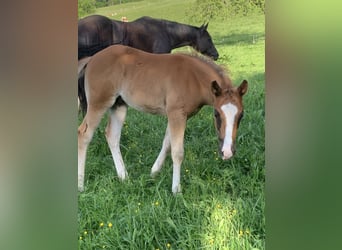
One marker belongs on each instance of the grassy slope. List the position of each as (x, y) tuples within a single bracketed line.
[(222, 205), (172, 10)]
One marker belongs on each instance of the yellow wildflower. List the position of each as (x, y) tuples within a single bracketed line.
[(101, 224), (110, 224), (85, 232), (156, 203), (168, 245)]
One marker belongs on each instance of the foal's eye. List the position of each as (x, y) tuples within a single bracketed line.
[(240, 117), (217, 119)]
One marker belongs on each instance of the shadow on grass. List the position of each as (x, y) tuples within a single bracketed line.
[(238, 38)]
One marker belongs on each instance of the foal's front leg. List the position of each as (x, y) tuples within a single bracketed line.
[(113, 133), (176, 126)]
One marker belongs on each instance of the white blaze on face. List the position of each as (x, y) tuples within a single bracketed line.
[(229, 111)]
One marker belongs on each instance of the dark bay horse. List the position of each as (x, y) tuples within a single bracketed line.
[(174, 85), (148, 34)]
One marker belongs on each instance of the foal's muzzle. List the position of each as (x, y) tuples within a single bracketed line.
[(227, 152)]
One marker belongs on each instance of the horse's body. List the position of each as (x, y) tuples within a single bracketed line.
[(148, 34), (175, 85)]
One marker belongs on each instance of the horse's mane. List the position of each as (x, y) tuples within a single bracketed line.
[(220, 69), (172, 26)]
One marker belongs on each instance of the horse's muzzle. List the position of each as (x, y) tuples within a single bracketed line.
[(215, 57)]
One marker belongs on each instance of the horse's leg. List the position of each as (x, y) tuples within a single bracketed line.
[(162, 155), (113, 133), (176, 124), (85, 134)]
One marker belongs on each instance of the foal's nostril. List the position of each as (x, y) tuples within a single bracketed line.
[(233, 150), (226, 154)]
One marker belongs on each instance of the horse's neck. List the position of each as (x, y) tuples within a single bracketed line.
[(119, 32), (181, 35)]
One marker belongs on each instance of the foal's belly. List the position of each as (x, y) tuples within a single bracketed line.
[(144, 103)]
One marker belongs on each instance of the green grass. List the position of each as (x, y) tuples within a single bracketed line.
[(172, 10), (222, 203)]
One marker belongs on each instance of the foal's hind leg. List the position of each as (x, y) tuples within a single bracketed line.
[(113, 133), (162, 155), (85, 134)]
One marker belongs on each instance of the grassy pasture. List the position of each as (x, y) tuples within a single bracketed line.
[(222, 203)]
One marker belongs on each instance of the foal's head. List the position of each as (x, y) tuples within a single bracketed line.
[(204, 43), (228, 113)]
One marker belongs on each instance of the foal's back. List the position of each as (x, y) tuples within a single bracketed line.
[(150, 82)]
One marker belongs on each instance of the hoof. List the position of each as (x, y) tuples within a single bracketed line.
[(154, 174), (176, 189), (123, 176), (155, 170)]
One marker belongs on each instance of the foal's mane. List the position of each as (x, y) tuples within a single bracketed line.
[(220, 69)]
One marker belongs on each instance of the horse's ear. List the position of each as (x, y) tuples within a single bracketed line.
[(216, 88), (204, 27), (242, 89)]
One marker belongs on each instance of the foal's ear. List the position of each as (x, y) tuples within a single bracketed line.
[(216, 88), (242, 89)]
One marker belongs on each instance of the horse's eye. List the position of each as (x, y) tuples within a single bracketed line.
[(216, 113)]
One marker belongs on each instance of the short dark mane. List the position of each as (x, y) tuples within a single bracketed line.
[(218, 68)]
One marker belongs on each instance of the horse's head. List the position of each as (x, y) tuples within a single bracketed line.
[(204, 43), (228, 113)]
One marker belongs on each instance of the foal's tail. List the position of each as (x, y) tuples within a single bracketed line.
[(82, 64)]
